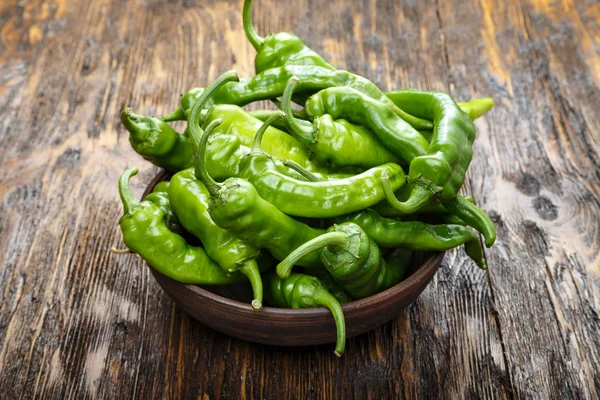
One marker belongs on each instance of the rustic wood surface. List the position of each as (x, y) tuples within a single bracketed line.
[(79, 322)]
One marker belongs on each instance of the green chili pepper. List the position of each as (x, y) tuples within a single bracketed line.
[(160, 144), (440, 173), (270, 84), (314, 199), (145, 233), (335, 143), (332, 286), (305, 291), (189, 198), (352, 258), (345, 102), (280, 145), (156, 141), (160, 197), (279, 49), (236, 206), (415, 235)]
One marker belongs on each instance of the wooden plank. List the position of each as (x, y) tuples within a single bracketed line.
[(536, 171)]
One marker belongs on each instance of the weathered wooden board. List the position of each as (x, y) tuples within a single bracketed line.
[(77, 321)]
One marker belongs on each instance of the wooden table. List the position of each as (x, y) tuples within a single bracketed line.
[(77, 321)]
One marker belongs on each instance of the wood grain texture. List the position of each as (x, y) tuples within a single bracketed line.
[(79, 322)]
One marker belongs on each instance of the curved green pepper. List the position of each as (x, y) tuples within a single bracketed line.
[(189, 199), (440, 172), (156, 141), (416, 235), (304, 291), (315, 199), (332, 286), (240, 123), (335, 143), (352, 258), (345, 102), (270, 84), (236, 206), (145, 233)]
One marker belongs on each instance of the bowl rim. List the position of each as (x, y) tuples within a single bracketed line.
[(429, 267)]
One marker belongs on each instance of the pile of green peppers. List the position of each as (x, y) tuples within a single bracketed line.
[(313, 206)]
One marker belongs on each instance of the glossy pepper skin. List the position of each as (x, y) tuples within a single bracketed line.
[(189, 198), (474, 108), (416, 235), (332, 287), (270, 84), (314, 199), (335, 143), (279, 49), (145, 233), (305, 291), (441, 172), (238, 122), (156, 141), (352, 258), (235, 205), (395, 134), (160, 197)]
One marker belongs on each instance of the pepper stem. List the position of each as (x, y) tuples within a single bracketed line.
[(419, 196), (291, 164), (325, 299), (256, 143), (177, 115), (296, 113), (199, 143), (334, 239), (129, 202), (196, 113), (253, 37), (473, 216), (250, 270), (304, 132)]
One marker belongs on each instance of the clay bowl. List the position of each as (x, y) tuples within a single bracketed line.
[(227, 308)]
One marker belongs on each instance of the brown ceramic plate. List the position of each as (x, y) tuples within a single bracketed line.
[(227, 309)]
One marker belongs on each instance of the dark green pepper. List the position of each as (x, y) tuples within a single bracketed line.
[(335, 143), (189, 198), (236, 206), (416, 235), (314, 199), (305, 291), (145, 233), (344, 102), (352, 258)]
